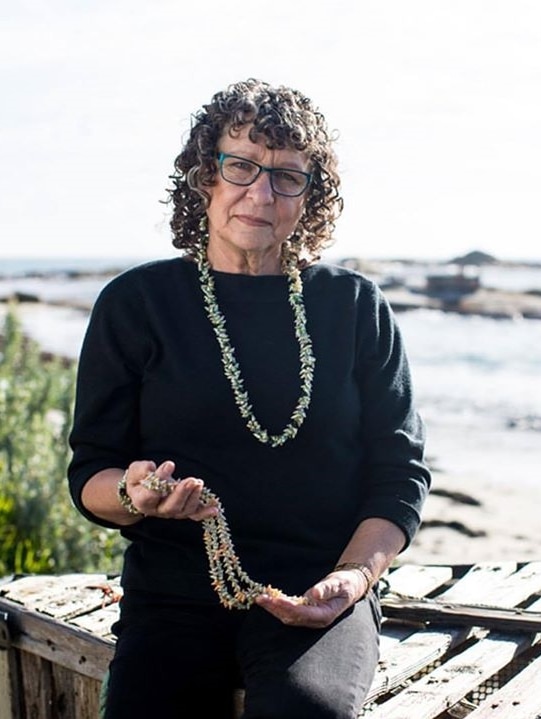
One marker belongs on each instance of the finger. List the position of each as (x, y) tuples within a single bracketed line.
[(138, 470), (189, 491), (205, 511), (160, 481), (184, 499), (166, 469), (321, 604), (325, 590), (135, 472), (308, 616)]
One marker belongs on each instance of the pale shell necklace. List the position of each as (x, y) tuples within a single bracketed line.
[(233, 586), (231, 366)]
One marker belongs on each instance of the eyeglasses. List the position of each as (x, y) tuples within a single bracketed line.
[(239, 171)]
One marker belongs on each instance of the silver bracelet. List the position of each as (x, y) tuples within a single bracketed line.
[(124, 498)]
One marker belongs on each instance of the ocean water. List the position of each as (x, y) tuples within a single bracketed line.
[(22, 266), (477, 380), (478, 387)]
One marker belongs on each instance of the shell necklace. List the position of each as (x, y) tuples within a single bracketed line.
[(231, 366), (234, 587)]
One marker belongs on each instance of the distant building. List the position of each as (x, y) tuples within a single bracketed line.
[(451, 286)]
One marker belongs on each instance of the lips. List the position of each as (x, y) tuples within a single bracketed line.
[(252, 221)]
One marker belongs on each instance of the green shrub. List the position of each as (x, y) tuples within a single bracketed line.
[(40, 530)]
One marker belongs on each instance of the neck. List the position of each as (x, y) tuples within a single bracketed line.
[(244, 263)]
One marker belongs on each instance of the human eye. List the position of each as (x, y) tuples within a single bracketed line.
[(241, 164), (289, 179), (240, 167)]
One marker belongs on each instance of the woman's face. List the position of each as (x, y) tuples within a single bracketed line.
[(250, 223)]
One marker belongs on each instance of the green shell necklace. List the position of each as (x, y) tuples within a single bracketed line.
[(231, 366)]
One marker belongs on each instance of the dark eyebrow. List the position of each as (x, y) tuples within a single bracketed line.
[(274, 167)]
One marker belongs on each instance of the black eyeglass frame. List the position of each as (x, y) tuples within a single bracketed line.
[(262, 168)]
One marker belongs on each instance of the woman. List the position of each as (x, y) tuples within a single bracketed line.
[(246, 380)]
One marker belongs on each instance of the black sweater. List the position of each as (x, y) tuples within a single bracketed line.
[(151, 386)]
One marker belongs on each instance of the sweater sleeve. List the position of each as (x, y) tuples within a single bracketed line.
[(105, 430), (393, 432)]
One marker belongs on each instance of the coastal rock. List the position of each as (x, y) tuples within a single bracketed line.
[(476, 257)]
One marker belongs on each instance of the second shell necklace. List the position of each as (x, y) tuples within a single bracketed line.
[(231, 366)]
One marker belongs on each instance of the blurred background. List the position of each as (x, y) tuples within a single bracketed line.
[(436, 105)]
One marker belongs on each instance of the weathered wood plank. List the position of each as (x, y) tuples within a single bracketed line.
[(74, 696), (422, 648), (7, 699), (64, 644), (417, 580), (99, 622), (64, 699), (87, 697), (392, 634), (36, 589), (37, 686), (518, 699), (438, 612), (449, 683), (490, 601), (476, 585), (535, 606), (65, 598), (410, 656), (517, 587)]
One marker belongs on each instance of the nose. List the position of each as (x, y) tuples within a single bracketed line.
[(261, 189)]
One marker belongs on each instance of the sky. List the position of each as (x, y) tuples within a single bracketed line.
[(436, 105)]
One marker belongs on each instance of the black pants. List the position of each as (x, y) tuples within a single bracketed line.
[(188, 663)]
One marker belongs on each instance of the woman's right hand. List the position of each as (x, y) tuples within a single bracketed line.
[(179, 498)]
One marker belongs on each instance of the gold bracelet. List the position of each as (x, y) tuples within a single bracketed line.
[(124, 498), (363, 569)]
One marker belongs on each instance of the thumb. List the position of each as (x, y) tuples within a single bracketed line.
[(323, 590), (166, 468)]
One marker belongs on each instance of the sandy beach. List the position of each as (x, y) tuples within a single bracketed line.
[(468, 520)]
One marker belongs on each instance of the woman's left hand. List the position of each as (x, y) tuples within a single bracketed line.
[(325, 601)]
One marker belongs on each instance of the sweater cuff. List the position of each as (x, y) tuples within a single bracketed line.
[(399, 513)]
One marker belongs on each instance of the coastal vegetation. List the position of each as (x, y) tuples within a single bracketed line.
[(40, 530)]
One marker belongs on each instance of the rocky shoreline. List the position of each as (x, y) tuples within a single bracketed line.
[(453, 286), (497, 304)]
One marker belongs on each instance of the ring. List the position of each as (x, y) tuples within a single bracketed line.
[(156, 484)]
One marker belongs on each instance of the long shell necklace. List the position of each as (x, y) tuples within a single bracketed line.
[(231, 366), (234, 587)]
